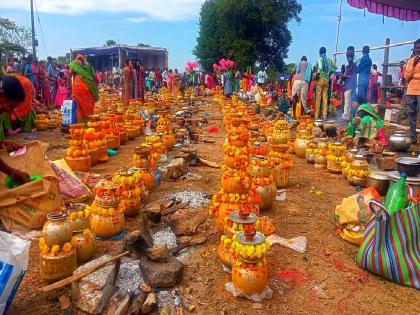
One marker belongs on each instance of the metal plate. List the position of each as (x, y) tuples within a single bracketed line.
[(259, 238), (234, 217)]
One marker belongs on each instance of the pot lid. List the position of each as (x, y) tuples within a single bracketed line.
[(56, 215), (259, 238), (409, 161), (379, 175), (395, 175), (235, 217)]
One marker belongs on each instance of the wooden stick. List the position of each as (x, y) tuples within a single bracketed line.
[(175, 208), (82, 274)]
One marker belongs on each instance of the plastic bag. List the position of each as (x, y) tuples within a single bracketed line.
[(267, 293), (14, 255), (297, 243), (68, 112)]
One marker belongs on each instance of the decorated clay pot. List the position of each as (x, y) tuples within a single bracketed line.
[(131, 206), (230, 185), (168, 141), (280, 177), (300, 147), (249, 278), (226, 208), (268, 195), (79, 222), (60, 266), (84, 241), (58, 229), (79, 164), (107, 226)]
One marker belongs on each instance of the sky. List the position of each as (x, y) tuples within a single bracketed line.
[(173, 24)]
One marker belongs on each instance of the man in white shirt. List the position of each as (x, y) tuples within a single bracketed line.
[(261, 77), (165, 76)]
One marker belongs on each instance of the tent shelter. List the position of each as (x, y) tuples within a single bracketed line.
[(404, 10), (110, 56)]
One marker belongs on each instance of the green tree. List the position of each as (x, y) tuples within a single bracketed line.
[(13, 38), (247, 31), (110, 42), (143, 45), (61, 60)]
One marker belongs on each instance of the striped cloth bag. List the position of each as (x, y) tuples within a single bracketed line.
[(391, 244)]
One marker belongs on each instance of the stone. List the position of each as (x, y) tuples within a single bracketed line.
[(176, 168), (196, 239), (158, 253), (161, 274), (92, 292), (186, 221)]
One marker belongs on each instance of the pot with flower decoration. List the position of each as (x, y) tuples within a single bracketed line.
[(57, 262), (77, 155), (310, 152), (258, 148), (320, 153), (281, 133), (250, 270), (263, 181), (107, 193), (58, 229), (84, 241), (107, 221), (141, 156), (222, 204), (130, 181), (79, 214), (280, 164), (335, 157), (234, 223), (358, 170)]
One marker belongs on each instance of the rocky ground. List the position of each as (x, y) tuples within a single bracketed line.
[(324, 280)]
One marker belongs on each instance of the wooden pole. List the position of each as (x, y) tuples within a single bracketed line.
[(338, 29), (385, 71)]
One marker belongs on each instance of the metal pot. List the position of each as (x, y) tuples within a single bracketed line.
[(330, 128), (400, 140), (379, 180), (408, 165), (57, 230), (318, 123)]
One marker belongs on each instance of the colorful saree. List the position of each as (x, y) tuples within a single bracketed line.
[(84, 90)]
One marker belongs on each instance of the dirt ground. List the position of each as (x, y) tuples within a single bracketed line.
[(324, 280)]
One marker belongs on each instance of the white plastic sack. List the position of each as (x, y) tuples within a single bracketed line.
[(297, 243), (14, 255)]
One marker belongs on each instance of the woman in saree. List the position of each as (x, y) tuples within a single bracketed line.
[(127, 83), (84, 90), (21, 116), (367, 123), (44, 83), (237, 80), (176, 81)]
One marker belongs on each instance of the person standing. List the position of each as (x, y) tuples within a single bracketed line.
[(325, 67), (363, 69), (412, 97), (261, 77), (61, 94), (373, 84), (141, 76), (10, 66), (300, 84), (227, 83), (28, 72), (44, 83), (350, 82), (126, 83), (84, 90)]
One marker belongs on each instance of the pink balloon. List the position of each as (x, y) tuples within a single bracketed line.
[(187, 69)]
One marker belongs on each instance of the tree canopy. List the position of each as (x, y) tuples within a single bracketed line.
[(246, 31), (110, 42), (13, 38)]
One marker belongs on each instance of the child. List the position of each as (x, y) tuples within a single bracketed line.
[(61, 95)]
